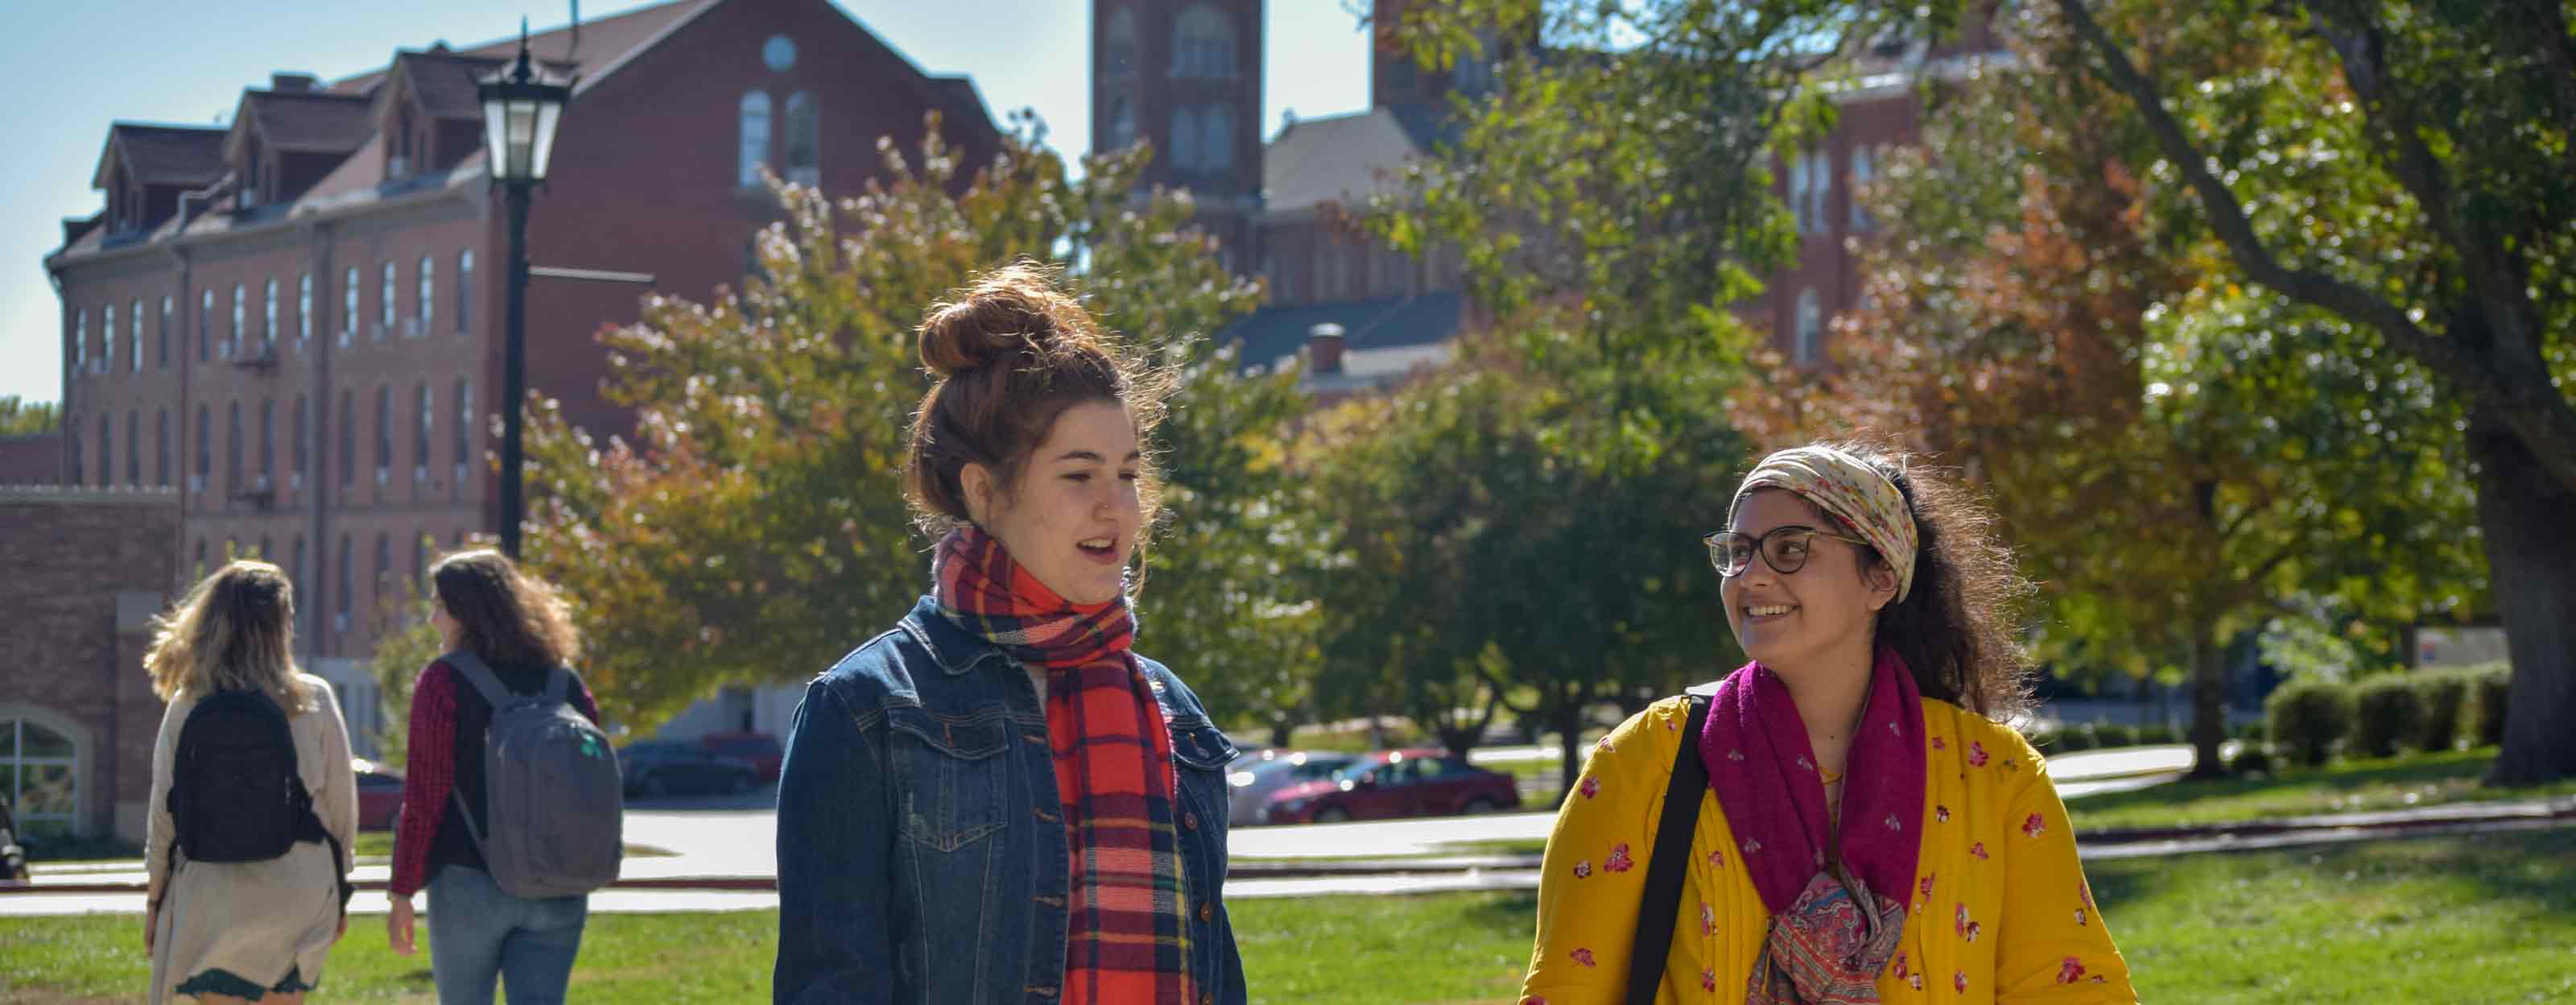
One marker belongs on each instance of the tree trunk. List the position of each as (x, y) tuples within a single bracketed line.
[(1568, 719), (1282, 730), (2208, 705), (2529, 521)]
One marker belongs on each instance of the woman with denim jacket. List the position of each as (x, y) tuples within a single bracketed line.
[(999, 800)]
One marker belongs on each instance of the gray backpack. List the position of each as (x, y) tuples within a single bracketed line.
[(554, 805)]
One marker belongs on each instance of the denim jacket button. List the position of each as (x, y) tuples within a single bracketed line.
[(1207, 911), (1190, 820)]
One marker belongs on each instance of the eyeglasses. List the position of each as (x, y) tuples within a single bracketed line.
[(1784, 548)]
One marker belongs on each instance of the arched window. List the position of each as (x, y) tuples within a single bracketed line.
[(298, 581), (163, 357), (268, 316), (804, 141), (1202, 44), (134, 339), (428, 292), (232, 449), (1185, 140), (1862, 166), (303, 308), (348, 438), (80, 339), (133, 447), (205, 451), (340, 599), (1811, 329), (107, 340), (1798, 191), (1217, 151), (384, 435), (106, 453), (385, 302), (464, 288), (1122, 122), (303, 449), (267, 444), (420, 437), (241, 303), (755, 138), (205, 323), (161, 448), (1820, 189), (40, 774), (1118, 43), (384, 573), (349, 306), (464, 435)]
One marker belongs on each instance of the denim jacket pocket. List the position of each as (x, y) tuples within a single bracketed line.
[(1202, 753), (955, 783)]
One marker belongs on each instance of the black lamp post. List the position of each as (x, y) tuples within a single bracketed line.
[(520, 109)]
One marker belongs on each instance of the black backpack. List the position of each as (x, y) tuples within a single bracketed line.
[(235, 795)]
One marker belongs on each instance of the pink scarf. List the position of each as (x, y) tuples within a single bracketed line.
[(1833, 929)]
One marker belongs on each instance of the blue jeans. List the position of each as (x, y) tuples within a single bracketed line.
[(478, 933)]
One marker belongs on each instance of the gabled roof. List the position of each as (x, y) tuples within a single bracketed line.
[(188, 156), (603, 42), (444, 84), (1344, 159), (306, 121)]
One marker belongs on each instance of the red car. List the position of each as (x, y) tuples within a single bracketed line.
[(761, 750), (380, 794), (1419, 782)]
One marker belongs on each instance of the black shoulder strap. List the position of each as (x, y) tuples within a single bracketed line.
[(479, 676), (1669, 870)]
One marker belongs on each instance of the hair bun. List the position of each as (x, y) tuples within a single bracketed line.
[(1009, 312)]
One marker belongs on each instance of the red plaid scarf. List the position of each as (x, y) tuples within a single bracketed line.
[(1127, 920)]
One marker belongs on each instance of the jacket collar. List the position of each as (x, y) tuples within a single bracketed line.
[(956, 650)]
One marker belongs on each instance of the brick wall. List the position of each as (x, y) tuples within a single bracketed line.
[(81, 573)]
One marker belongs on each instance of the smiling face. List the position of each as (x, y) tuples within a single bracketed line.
[(1809, 617), (1072, 520)]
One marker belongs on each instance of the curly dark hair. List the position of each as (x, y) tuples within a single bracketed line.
[(1955, 628)]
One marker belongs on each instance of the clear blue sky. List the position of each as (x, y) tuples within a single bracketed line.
[(72, 67)]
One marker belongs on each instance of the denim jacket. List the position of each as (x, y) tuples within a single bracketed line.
[(921, 845)]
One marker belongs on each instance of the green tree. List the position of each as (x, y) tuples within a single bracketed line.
[(2409, 168), (28, 418), (754, 528), (2177, 465), (2397, 171)]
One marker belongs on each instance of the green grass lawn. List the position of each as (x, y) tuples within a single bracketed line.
[(2342, 787), (2475, 919)]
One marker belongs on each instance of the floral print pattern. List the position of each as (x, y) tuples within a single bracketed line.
[(1591, 787), (1582, 956), (1618, 860), (2033, 826), (1976, 754)]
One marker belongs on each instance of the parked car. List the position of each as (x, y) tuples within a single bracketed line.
[(1255, 776), (762, 751), (380, 794), (662, 767), (1394, 783)]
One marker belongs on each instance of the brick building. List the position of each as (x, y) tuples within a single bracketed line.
[(88, 567), (292, 322)]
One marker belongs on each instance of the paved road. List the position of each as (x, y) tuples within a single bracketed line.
[(736, 836)]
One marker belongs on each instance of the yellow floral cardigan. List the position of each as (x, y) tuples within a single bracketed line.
[(1999, 912)]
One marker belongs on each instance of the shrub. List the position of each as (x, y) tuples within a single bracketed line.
[(2251, 760), (2073, 738), (2307, 718), (2156, 732), (2488, 684), (2112, 734), (2445, 697), (2250, 731), (2388, 710)]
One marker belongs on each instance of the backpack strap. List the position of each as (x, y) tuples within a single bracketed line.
[(559, 684), (480, 675), (1667, 872)]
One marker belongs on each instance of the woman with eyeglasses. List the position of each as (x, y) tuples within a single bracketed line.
[(1861, 826)]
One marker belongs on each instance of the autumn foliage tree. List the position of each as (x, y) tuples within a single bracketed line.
[(753, 529)]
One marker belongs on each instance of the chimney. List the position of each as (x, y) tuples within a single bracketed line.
[(291, 83), (1324, 348)]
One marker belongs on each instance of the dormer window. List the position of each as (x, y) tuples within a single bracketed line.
[(398, 159), (250, 181)]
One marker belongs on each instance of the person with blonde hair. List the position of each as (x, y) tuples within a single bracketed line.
[(999, 798), (254, 801), (507, 637)]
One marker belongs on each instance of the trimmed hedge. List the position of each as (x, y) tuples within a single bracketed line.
[(2445, 696), (2387, 711), (2309, 718), (2488, 684)]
